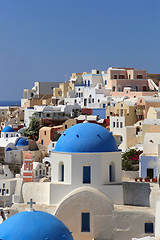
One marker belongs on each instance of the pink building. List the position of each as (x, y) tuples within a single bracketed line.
[(129, 92), (119, 78)]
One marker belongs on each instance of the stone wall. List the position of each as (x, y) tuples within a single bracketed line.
[(136, 193)]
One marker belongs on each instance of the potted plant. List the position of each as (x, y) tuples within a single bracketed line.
[(154, 179), (147, 179), (140, 179), (136, 179)]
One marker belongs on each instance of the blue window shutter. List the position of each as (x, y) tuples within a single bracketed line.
[(86, 174), (85, 222), (110, 173), (149, 228), (62, 172)]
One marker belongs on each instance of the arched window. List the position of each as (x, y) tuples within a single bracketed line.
[(148, 227), (61, 172), (85, 83), (88, 83), (105, 82), (112, 172), (86, 173), (85, 221)]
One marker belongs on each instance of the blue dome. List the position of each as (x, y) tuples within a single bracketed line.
[(34, 225), (22, 142), (8, 129), (86, 137)]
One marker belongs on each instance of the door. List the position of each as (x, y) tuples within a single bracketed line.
[(150, 173), (85, 102)]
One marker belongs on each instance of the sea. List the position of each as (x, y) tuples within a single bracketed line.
[(10, 103)]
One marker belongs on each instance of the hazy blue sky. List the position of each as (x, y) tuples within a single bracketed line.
[(47, 40)]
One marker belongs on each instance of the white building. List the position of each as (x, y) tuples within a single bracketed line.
[(11, 144)]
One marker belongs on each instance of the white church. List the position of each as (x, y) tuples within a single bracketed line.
[(86, 184)]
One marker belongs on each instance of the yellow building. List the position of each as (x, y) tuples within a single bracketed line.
[(61, 91), (126, 109)]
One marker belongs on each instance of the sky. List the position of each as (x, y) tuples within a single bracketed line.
[(48, 40)]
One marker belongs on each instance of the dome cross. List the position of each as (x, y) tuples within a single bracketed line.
[(31, 205)]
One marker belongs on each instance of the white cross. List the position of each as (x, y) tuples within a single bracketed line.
[(31, 205)]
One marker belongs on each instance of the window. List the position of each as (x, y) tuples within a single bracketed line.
[(97, 71), (85, 222), (89, 100), (112, 172), (136, 87), (98, 100), (129, 76), (81, 94), (65, 126), (115, 76), (121, 124), (113, 124), (7, 135), (121, 111), (44, 132), (61, 172), (117, 124), (40, 172), (113, 88), (121, 76), (3, 185), (104, 105), (122, 105), (85, 83), (92, 100), (79, 89), (86, 174), (105, 82), (7, 191), (58, 92), (88, 83), (139, 76), (149, 228)]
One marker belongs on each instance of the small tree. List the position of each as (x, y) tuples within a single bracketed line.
[(33, 129), (129, 158)]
